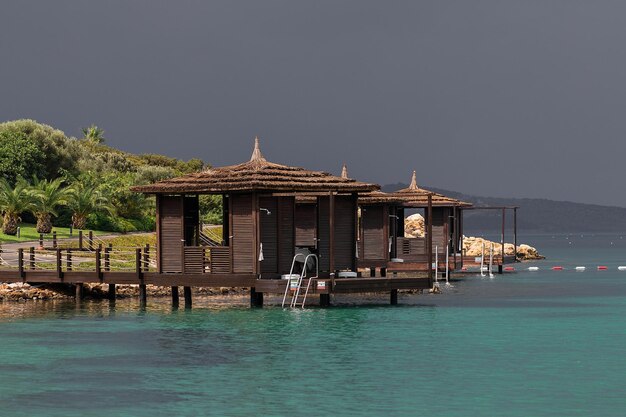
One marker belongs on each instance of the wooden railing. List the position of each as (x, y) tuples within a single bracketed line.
[(207, 259)]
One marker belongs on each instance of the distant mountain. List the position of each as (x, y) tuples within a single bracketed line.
[(537, 214)]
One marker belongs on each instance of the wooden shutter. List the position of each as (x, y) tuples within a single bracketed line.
[(171, 233), (269, 234), (286, 233), (345, 244), (306, 224), (375, 243), (243, 241)]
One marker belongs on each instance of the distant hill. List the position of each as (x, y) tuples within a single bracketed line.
[(537, 214)]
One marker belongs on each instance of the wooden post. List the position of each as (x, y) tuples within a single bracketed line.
[(187, 295), (54, 239), (31, 257), (502, 241), (107, 268), (20, 262), (41, 240), (515, 231), (80, 240), (324, 300), (393, 298), (256, 298), (383, 272), (107, 258), (143, 297), (98, 264), (91, 240), (331, 243), (79, 291), (175, 297), (429, 240), (68, 260), (59, 265), (372, 272), (146, 257)]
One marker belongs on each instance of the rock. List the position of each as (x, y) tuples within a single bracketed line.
[(414, 226)]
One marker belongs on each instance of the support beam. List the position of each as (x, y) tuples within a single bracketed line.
[(372, 272), (429, 237), (500, 269), (175, 297), (143, 295), (324, 300), (383, 272), (187, 294), (256, 298), (112, 292), (393, 299), (79, 291)]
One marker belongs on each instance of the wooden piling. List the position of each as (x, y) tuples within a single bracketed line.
[(324, 300), (111, 294), (393, 299), (187, 295), (80, 240), (256, 298), (175, 297), (79, 291), (143, 296), (372, 272)]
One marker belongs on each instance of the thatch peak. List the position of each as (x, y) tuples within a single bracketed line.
[(257, 156), (344, 171), (413, 185)]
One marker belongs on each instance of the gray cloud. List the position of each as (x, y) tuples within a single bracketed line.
[(502, 98)]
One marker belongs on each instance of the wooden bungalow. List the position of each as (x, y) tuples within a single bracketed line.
[(263, 229)]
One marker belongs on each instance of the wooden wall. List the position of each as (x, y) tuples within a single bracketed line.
[(170, 233), (374, 233), (306, 225), (242, 226), (344, 233)]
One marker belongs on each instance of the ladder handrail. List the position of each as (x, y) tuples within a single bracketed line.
[(300, 278), (294, 300)]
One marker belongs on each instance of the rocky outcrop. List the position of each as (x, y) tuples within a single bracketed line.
[(473, 246), (414, 226)]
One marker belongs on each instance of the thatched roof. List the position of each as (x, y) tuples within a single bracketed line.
[(257, 174), (414, 196)]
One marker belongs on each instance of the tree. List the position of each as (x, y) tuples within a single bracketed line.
[(13, 202), (47, 196), (19, 157), (51, 152), (93, 134), (84, 199)]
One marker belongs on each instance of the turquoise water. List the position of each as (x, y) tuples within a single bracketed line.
[(523, 344)]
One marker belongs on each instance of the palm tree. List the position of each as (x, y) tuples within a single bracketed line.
[(94, 134), (46, 197), (13, 202), (84, 199)]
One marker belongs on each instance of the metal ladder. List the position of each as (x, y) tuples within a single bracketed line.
[(297, 294)]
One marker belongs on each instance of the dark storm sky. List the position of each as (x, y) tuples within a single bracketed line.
[(502, 98)]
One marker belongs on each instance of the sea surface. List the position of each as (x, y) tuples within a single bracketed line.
[(546, 343)]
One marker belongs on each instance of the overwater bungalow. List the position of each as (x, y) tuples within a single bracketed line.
[(261, 242)]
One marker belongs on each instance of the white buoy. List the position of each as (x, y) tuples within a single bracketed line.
[(533, 268), (581, 268), (621, 268)]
